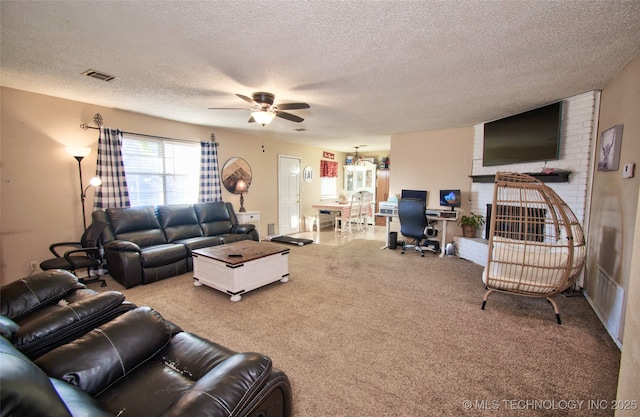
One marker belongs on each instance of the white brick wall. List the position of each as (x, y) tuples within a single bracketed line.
[(578, 124), (472, 249)]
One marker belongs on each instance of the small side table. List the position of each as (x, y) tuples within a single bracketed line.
[(252, 217)]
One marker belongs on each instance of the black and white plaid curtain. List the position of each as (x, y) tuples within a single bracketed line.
[(210, 187), (110, 168)]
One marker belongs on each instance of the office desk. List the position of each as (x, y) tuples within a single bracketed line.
[(387, 225), (442, 231)]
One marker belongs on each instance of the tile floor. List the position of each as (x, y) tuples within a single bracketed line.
[(328, 236)]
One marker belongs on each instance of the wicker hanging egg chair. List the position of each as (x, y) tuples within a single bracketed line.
[(536, 245)]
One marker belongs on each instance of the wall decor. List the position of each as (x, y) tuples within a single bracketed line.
[(234, 170), (307, 174), (328, 155), (328, 169), (609, 151)]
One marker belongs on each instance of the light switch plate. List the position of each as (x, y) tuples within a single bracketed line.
[(628, 170)]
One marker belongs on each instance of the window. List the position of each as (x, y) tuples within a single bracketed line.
[(328, 179), (328, 187), (161, 171)]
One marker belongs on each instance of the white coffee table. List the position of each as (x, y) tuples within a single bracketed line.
[(261, 263)]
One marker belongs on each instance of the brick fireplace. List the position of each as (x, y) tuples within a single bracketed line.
[(579, 127)]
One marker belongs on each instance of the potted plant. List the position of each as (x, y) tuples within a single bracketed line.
[(470, 224)]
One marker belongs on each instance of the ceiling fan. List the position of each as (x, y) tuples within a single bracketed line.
[(264, 111)]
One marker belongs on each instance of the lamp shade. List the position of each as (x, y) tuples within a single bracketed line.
[(95, 181), (241, 186), (263, 117)]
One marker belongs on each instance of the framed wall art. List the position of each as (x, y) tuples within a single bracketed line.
[(609, 150), (307, 174), (234, 170)]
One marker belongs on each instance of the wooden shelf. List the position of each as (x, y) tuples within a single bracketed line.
[(561, 176)]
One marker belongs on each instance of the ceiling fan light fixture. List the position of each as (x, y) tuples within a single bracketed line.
[(263, 117)]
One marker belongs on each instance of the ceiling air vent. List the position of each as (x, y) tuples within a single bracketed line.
[(98, 75)]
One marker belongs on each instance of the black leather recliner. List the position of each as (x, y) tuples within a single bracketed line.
[(139, 252), (146, 244), (141, 365), (50, 308)]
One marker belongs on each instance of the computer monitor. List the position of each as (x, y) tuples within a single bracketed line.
[(450, 198), (417, 194)]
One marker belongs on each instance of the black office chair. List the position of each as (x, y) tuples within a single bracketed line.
[(85, 255), (414, 225)]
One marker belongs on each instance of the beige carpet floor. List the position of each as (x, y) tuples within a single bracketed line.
[(367, 332)]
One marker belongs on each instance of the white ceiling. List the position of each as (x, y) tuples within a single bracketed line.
[(367, 68)]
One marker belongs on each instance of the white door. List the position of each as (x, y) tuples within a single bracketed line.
[(288, 195)]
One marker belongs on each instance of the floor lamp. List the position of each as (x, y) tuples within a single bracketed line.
[(79, 154)]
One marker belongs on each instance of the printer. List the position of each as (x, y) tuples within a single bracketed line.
[(388, 207)]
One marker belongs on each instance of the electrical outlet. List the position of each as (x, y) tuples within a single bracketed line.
[(33, 265)]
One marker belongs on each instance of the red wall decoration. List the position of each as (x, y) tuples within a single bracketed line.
[(328, 169)]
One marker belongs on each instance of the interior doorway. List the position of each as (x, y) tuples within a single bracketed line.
[(288, 194)]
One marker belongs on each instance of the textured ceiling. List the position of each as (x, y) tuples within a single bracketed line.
[(367, 68)]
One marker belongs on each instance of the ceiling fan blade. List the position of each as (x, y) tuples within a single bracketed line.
[(292, 106), (247, 99), (226, 108), (289, 116)]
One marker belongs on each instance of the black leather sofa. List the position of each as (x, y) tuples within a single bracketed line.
[(50, 308), (147, 244), (140, 365)]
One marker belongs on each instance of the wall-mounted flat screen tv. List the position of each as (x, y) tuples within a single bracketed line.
[(525, 137)]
